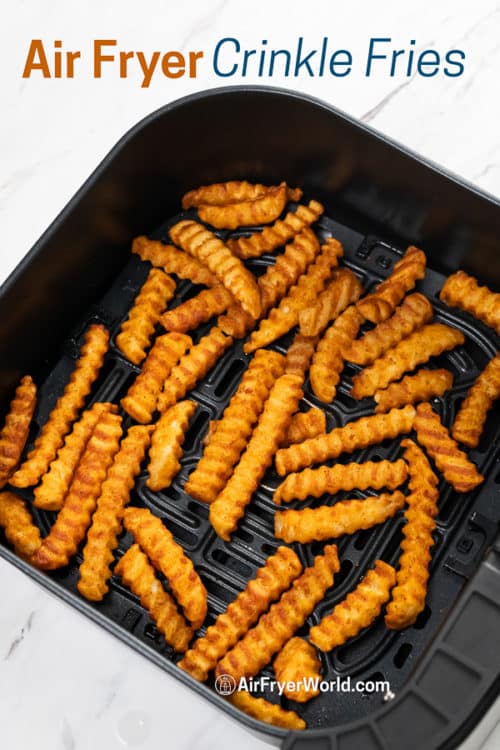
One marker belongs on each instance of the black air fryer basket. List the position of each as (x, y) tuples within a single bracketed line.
[(444, 671)]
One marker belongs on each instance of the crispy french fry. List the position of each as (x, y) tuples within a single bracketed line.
[(408, 596), (170, 559), (166, 445), (300, 353), (284, 618), (305, 425), (18, 525), (142, 396), (193, 366), (357, 611), (74, 518), (422, 386), (271, 713), (16, 428), (227, 442), (198, 241), (330, 522), (197, 310), (221, 193), (413, 313), (260, 210), (316, 482), (453, 463), (355, 435), (296, 663), (278, 234), (136, 332), (328, 361), (50, 493), (229, 506), (270, 581), (417, 349), (138, 575), (341, 291), (379, 305), (472, 414), (463, 291), (66, 410), (102, 537), (173, 260)]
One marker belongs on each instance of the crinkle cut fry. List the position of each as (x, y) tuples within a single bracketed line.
[(197, 310), (136, 332), (166, 444), (357, 611), (18, 525), (430, 341), (173, 260), (453, 463), (326, 479), (220, 193), (226, 443), (102, 538), (278, 234), (170, 559), (284, 618), (16, 428), (331, 522), (342, 290), (300, 353), (409, 594), (463, 291), (379, 305), (51, 438), (413, 313), (271, 713), (296, 663), (74, 518), (229, 506), (138, 575), (353, 436), (261, 210), (198, 241), (305, 425), (469, 422), (193, 366), (270, 581), (422, 386), (142, 396)]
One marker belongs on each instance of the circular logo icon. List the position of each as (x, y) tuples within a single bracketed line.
[(225, 684)]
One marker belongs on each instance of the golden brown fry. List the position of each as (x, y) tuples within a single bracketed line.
[(379, 305), (263, 209), (270, 581), (170, 559), (414, 312), (74, 519), (16, 428), (138, 575), (305, 425), (408, 596), (300, 353), (271, 713), (471, 417), (463, 291), (357, 611), (330, 522), (50, 493), (18, 525), (453, 463), (284, 618), (341, 291), (102, 538), (221, 193), (328, 361), (173, 260), (142, 396), (430, 341), (296, 664), (278, 234), (316, 482), (202, 244), (422, 386), (166, 445), (227, 442), (197, 310), (66, 410), (136, 332), (193, 366), (229, 506)]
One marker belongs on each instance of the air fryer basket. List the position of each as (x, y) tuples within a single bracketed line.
[(443, 671)]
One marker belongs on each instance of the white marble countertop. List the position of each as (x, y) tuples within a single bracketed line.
[(64, 683)]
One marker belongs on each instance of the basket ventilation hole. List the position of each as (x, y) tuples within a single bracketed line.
[(402, 654)]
